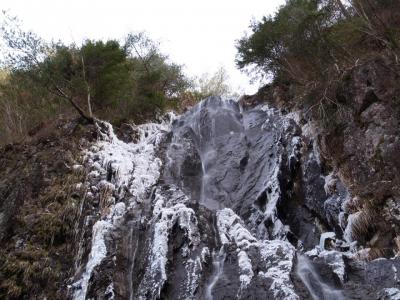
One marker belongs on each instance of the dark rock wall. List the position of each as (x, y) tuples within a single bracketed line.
[(365, 150)]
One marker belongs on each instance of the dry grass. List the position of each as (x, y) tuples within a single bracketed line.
[(38, 256), (372, 253), (363, 227)]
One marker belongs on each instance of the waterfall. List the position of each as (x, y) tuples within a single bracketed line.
[(218, 259), (203, 208), (317, 288)]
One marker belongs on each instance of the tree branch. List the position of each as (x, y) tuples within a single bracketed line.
[(89, 104), (61, 93)]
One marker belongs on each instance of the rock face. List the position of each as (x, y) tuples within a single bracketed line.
[(365, 148), (223, 202)]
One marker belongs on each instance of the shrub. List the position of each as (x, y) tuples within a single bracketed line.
[(311, 44), (109, 80)]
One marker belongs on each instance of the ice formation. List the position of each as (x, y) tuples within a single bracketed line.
[(277, 255), (168, 212), (119, 169)]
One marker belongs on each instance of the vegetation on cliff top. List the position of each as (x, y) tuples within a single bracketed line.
[(118, 81), (309, 45)]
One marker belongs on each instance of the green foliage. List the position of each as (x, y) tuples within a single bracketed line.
[(157, 82), (106, 70), (313, 43), (115, 81), (297, 43)]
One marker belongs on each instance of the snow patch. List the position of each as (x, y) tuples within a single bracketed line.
[(295, 116), (193, 270), (168, 217), (98, 251), (269, 110), (335, 260), (324, 237), (205, 253), (279, 255), (110, 295), (231, 229), (330, 183)]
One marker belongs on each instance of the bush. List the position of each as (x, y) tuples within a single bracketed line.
[(311, 44), (110, 80)]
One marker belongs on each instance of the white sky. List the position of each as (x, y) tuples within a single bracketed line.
[(199, 34)]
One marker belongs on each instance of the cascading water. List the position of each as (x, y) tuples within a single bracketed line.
[(132, 248), (317, 288), (218, 259), (204, 208)]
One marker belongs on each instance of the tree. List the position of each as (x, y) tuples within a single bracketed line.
[(307, 37), (112, 80), (157, 81), (31, 57), (215, 84), (309, 45), (291, 42), (150, 62), (106, 71), (380, 20)]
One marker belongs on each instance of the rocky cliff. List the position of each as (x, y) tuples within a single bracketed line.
[(231, 200)]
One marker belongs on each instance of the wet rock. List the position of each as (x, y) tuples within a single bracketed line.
[(368, 280), (222, 203)]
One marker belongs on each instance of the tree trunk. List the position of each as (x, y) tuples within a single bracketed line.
[(90, 118), (61, 93), (89, 104)]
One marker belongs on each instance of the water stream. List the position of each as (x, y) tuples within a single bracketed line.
[(218, 172), (218, 259), (133, 243), (317, 288)]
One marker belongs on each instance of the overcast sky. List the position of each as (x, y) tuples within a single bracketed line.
[(199, 34)]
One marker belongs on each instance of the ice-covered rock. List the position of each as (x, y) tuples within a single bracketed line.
[(117, 170), (167, 215), (221, 204), (274, 258), (390, 294)]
